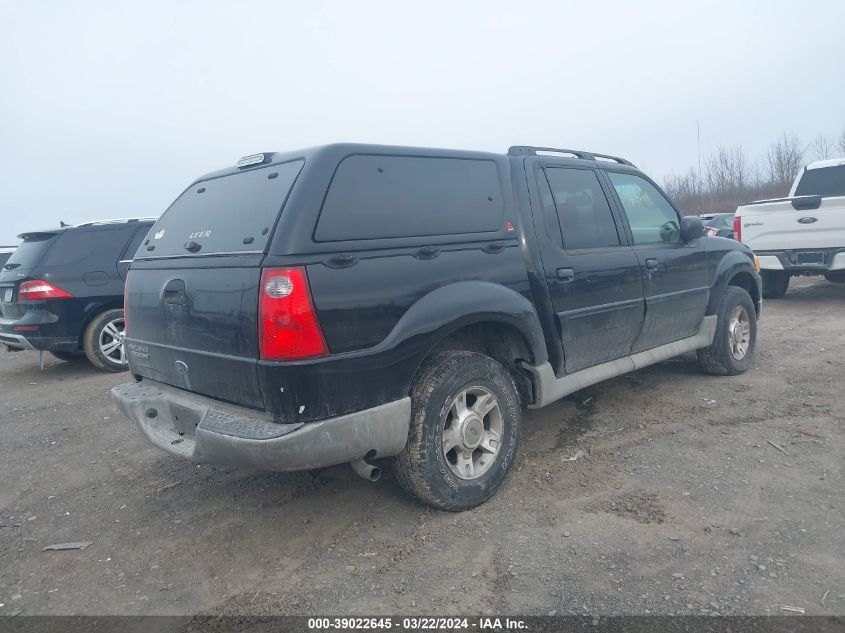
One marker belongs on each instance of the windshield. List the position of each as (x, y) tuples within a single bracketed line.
[(230, 214), (824, 181), (30, 252)]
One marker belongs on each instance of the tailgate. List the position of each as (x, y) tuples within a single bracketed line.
[(778, 225), (196, 328)]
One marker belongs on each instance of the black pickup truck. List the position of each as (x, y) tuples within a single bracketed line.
[(349, 303)]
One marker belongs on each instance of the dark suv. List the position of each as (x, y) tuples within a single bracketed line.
[(62, 291), (354, 302)]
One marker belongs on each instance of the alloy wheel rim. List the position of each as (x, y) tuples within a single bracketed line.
[(111, 341), (739, 332), (472, 433)]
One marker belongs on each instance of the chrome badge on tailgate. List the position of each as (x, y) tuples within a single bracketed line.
[(139, 351)]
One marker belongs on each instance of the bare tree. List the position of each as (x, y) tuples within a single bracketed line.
[(743, 170), (784, 159), (685, 189), (729, 179), (822, 147), (718, 169)]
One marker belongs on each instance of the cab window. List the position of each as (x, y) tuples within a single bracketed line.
[(652, 219)]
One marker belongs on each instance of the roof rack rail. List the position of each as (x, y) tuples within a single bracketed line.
[(115, 221), (527, 150)]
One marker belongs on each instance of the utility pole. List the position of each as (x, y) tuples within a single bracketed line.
[(700, 177)]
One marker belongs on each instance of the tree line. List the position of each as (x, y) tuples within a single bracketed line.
[(729, 178)]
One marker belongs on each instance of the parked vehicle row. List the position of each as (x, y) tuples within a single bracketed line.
[(350, 303), (803, 234), (61, 291)]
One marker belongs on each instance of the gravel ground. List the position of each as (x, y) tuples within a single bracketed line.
[(665, 491)]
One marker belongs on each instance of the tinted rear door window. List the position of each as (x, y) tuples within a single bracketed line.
[(586, 220), (374, 197), (230, 214)]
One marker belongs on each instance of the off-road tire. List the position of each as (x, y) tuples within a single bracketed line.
[(70, 357), (421, 468), (91, 342), (717, 358), (775, 283), (835, 276)]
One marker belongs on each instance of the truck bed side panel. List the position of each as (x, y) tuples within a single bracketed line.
[(778, 225)]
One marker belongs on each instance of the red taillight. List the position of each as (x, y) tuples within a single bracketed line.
[(288, 328), (737, 228), (37, 289)]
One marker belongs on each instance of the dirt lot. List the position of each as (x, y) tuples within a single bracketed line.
[(657, 492)]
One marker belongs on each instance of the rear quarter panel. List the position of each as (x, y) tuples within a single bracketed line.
[(383, 316), (359, 306)]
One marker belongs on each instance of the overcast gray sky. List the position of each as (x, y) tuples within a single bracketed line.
[(109, 109)]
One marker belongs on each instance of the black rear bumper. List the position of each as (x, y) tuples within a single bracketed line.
[(21, 335), (809, 261)]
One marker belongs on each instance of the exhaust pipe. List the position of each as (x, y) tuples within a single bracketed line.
[(366, 470)]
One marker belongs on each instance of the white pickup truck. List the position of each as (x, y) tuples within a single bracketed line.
[(803, 234)]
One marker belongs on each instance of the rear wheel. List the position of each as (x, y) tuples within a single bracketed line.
[(733, 345), (835, 276), (466, 423), (103, 341), (775, 283), (69, 357)]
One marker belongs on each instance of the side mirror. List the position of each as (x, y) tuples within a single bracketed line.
[(691, 227)]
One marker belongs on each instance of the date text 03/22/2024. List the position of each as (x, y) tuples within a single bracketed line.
[(416, 624)]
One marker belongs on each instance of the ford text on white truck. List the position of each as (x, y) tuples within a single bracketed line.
[(803, 234)]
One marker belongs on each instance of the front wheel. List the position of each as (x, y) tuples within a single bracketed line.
[(103, 341), (733, 345), (466, 422)]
